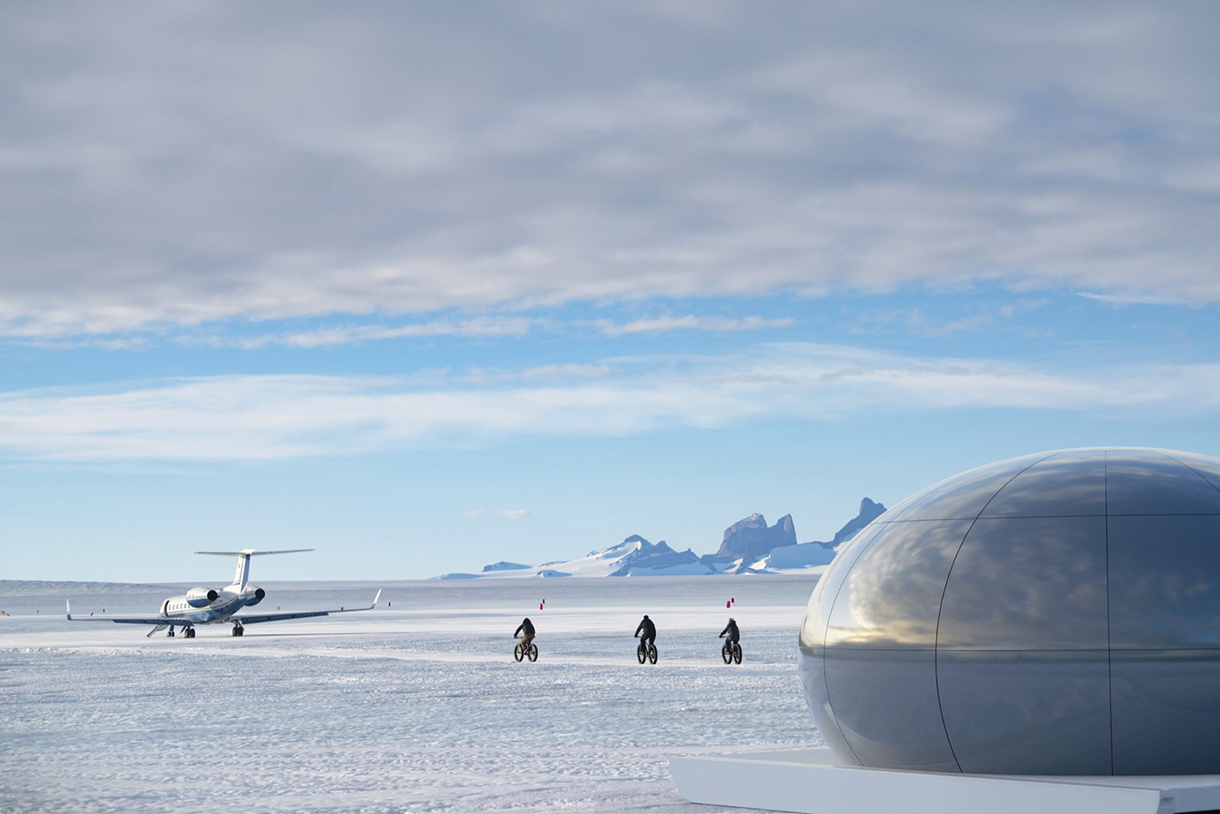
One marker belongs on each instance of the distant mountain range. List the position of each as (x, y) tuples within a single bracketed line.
[(749, 546)]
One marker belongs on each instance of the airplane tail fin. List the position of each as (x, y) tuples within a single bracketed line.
[(243, 561)]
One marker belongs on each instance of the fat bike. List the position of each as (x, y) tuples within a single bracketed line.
[(525, 650)]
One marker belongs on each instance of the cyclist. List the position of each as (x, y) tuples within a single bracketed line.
[(526, 627), (731, 631), (649, 630)]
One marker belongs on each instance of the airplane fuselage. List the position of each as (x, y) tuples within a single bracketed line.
[(228, 602)]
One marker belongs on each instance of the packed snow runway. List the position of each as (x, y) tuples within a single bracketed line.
[(415, 706)]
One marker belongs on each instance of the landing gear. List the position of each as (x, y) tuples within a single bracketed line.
[(171, 632), (238, 630), (189, 633)]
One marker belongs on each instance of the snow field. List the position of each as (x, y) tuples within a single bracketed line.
[(400, 710)]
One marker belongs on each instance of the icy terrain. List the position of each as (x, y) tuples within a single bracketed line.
[(417, 706)]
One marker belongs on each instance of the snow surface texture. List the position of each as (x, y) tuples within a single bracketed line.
[(418, 706)]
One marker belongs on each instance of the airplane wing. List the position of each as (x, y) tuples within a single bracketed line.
[(160, 621), (255, 618)]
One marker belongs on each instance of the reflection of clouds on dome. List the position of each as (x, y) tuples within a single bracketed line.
[(1160, 594), (1140, 484), (1047, 614), (1028, 584), (891, 596), (1205, 467), (1068, 484), (817, 613), (1042, 712), (962, 496)]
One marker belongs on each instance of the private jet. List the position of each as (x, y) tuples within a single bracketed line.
[(205, 606)]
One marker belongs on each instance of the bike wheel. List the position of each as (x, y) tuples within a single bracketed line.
[(641, 653), (726, 653), (652, 654), (737, 653), (533, 654), (518, 652)]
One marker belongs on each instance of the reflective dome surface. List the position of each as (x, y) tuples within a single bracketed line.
[(1057, 613)]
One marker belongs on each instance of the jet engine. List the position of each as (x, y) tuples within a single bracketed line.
[(200, 597), (253, 595)]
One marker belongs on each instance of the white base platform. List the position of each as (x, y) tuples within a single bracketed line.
[(811, 782)]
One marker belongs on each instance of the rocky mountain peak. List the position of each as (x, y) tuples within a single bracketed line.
[(752, 538), (869, 511)]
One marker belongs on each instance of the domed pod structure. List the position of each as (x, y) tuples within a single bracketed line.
[(1053, 614)]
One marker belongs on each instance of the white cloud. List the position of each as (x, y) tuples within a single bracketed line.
[(471, 328), (504, 514), (1204, 179), (984, 317), (355, 334), (565, 372), (200, 164), (691, 322), (1130, 299), (278, 417), (866, 88)]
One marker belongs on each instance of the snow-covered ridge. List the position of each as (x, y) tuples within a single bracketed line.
[(750, 546)]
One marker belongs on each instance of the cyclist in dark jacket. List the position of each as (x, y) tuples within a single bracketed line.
[(648, 629), (526, 627), (733, 633)]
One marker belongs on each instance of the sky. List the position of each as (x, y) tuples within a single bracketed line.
[(427, 286)]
